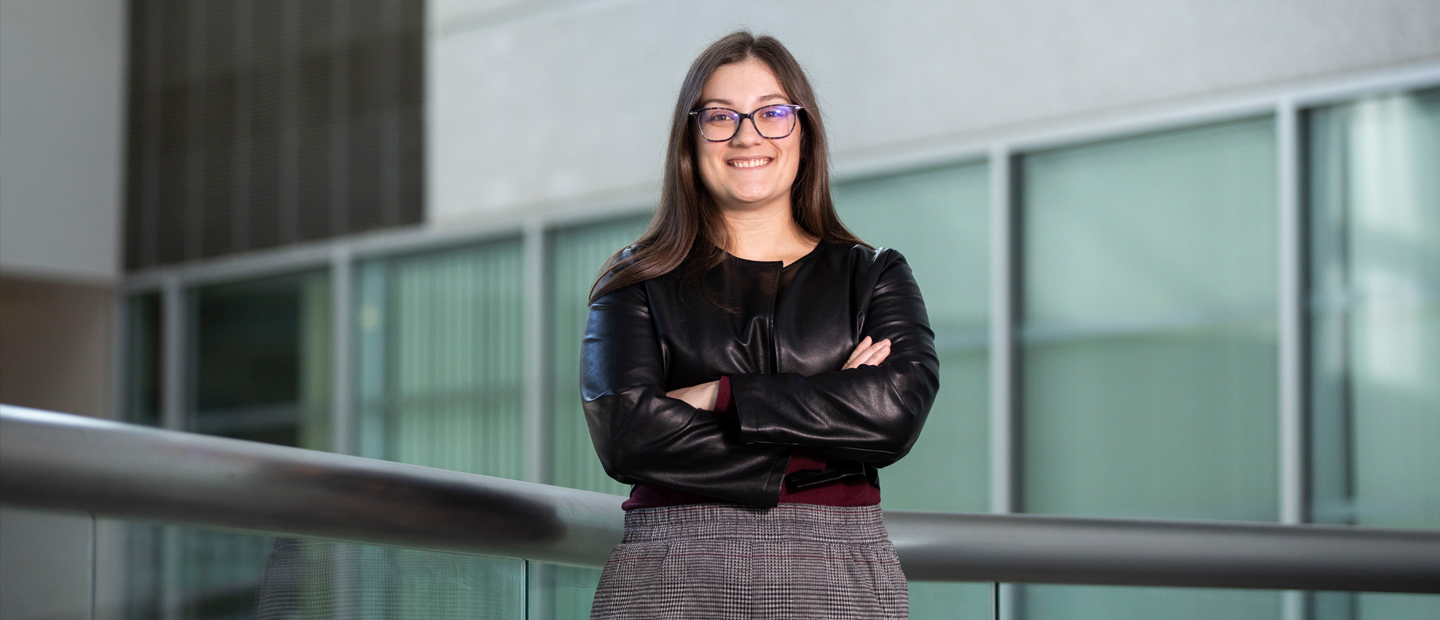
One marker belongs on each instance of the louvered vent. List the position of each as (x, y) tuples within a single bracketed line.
[(263, 123)]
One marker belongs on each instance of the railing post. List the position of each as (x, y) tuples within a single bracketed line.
[(1294, 479), (1004, 353), (537, 364), (342, 334)]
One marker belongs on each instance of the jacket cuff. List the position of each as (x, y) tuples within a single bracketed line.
[(724, 403)]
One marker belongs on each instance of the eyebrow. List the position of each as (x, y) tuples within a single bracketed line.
[(707, 102)]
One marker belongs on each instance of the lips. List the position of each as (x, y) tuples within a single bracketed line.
[(749, 162)]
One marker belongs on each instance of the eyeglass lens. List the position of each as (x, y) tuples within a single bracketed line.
[(771, 121)]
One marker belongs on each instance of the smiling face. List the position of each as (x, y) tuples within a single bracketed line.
[(748, 171)]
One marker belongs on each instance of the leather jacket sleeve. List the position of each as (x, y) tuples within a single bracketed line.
[(870, 414), (642, 435)]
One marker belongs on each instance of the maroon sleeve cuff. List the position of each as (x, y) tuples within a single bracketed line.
[(724, 405)]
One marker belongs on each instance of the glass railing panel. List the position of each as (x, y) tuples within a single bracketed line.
[(172, 572), (1040, 602), (558, 592), (45, 560), (933, 600)]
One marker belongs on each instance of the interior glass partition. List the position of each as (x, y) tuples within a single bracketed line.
[(1149, 345), (575, 257), (261, 351), (142, 359), (440, 358), (1373, 169), (939, 219)]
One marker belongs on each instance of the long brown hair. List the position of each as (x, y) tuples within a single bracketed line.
[(687, 215)]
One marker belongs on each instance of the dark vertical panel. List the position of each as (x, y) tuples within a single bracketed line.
[(364, 95), (195, 115), (260, 123), (172, 105), (408, 107), (218, 125), (265, 123), (312, 69), (139, 191), (289, 132), (241, 137), (338, 116)]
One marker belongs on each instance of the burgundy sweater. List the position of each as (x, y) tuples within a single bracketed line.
[(848, 492)]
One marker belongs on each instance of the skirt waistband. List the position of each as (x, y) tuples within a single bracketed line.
[(837, 524)]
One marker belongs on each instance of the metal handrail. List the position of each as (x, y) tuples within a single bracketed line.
[(64, 462)]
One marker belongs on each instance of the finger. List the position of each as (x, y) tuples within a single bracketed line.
[(861, 354), (858, 348), (880, 352), (880, 357), (870, 356)]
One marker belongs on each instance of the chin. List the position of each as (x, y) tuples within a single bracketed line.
[(753, 198)]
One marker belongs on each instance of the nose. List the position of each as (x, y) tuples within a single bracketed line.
[(748, 133)]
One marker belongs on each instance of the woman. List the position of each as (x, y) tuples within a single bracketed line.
[(748, 364)]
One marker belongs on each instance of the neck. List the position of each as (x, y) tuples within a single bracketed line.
[(765, 233)]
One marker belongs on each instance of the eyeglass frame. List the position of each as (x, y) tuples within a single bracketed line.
[(795, 108)]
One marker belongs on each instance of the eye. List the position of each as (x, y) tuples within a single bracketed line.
[(718, 116), (776, 112)]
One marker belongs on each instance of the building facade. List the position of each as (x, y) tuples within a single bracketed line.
[(1182, 261)]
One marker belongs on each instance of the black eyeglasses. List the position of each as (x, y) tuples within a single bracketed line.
[(721, 124)]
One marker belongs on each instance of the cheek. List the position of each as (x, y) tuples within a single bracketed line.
[(709, 164)]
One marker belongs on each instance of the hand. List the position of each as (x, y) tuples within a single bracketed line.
[(698, 396), (868, 353)]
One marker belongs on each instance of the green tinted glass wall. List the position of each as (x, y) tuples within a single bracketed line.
[(142, 359), (575, 258), (1149, 347), (939, 219), (440, 368), (261, 351), (1374, 214)]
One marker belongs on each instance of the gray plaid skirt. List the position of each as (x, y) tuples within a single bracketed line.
[(734, 561)]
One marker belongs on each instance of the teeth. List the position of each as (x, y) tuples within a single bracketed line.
[(751, 163)]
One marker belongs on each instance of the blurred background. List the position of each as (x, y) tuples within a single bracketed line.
[(1182, 259)]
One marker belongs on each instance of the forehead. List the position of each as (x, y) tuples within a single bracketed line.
[(742, 82)]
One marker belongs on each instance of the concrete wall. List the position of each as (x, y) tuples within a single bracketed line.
[(541, 104), (61, 128), (56, 346), (62, 68)]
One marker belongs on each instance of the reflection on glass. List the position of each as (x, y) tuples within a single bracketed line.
[(575, 258), (142, 359), (1374, 215), (1149, 381), (183, 572), (440, 370), (939, 219), (262, 360)]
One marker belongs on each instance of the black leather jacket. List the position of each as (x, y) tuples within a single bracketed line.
[(782, 344)]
